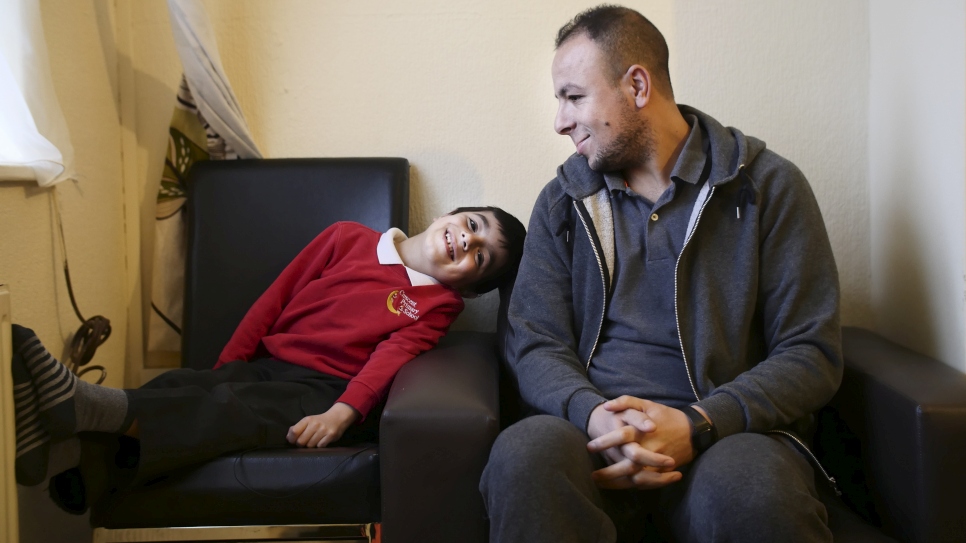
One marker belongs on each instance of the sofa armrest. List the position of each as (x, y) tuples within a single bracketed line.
[(908, 415), (440, 420)]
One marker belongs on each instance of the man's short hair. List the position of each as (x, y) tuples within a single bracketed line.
[(626, 38), (513, 233)]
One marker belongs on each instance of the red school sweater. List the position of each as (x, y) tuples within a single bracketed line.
[(337, 310)]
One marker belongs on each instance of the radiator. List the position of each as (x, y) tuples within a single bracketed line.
[(9, 526)]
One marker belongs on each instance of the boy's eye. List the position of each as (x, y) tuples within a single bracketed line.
[(574, 97), (472, 225)]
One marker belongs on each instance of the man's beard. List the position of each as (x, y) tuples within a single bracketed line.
[(632, 146)]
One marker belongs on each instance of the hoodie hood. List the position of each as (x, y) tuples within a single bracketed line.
[(730, 150)]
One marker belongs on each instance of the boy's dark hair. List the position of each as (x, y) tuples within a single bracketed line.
[(626, 38), (513, 233)]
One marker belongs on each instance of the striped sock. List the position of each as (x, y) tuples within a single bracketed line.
[(33, 441), (67, 404)]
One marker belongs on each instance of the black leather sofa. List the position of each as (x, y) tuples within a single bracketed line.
[(893, 437)]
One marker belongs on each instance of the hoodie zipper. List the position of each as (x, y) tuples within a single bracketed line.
[(677, 316), (603, 281), (800, 445), (803, 447)]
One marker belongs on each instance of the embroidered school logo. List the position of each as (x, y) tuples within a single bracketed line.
[(400, 304)]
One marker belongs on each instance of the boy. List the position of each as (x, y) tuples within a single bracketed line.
[(313, 357)]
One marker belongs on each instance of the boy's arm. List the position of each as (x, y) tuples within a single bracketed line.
[(371, 385), (306, 267)]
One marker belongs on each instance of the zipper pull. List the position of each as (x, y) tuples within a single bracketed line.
[(835, 485)]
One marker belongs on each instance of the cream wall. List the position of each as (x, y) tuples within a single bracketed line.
[(462, 89), (916, 158)]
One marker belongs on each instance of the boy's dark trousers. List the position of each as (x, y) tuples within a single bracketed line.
[(186, 417)]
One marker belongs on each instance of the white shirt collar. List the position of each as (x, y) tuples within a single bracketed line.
[(387, 254)]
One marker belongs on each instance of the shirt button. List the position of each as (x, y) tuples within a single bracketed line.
[(653, 216)]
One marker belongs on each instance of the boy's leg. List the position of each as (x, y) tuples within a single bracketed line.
[(252, 406), (33, 441), (68, 405)]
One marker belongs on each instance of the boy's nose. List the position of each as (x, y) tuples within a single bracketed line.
[(469, 240)]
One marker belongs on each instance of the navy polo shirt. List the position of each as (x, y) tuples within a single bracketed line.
[(639, 353)]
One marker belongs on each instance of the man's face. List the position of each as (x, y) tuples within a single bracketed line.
[(597, 112), (462, 250)]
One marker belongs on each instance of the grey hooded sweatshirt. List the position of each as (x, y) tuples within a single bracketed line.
[(755, 292)]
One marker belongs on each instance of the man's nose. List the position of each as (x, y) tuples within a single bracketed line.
[(562, 122)]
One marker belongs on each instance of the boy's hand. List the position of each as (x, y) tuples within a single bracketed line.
[(320, 430)]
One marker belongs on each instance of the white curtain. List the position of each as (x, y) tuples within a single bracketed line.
[(34, 141), (207, 80), (207, 124)]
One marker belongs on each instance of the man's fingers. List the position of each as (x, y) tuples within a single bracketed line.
[(646, 479), (645, 457), (614, 438), (622, 403), (624, 468), (638, 420)]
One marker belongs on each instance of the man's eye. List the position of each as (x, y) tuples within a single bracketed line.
[(472, 225), (574, 97)]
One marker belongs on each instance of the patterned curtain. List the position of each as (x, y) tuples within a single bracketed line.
[(207, 124)]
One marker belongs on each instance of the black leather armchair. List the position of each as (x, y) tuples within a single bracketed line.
[(247, 219), (894, 437)]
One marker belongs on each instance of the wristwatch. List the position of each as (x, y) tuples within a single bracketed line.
[(703, 433)]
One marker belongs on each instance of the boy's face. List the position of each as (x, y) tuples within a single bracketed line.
[(463, 249)]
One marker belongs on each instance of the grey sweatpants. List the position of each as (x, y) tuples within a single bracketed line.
[(537, 487)]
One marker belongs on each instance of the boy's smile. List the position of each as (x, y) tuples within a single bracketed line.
[(457, 250)]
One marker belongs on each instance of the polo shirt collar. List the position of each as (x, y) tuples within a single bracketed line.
[(694, 155), (388, 254)]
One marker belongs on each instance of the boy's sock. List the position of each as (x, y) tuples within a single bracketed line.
[(67, 404), (33, 441)]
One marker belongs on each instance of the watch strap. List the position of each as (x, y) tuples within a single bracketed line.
[(703, 433)]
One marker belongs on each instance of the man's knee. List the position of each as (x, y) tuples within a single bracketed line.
[(534, 449), (753, 482)]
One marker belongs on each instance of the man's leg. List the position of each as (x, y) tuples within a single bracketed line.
[(537, 486), (747, 488)]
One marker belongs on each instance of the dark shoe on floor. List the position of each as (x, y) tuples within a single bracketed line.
[(67, 490)]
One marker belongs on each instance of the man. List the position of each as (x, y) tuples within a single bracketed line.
[(677, 304)]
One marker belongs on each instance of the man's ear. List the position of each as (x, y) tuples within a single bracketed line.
[(640, 81)]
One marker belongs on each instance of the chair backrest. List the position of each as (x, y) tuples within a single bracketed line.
[(247, 219)]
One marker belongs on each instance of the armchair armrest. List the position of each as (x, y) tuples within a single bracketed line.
[(437, 428), (908, 413)]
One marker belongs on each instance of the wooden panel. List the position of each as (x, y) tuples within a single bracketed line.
[(9, 527)]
